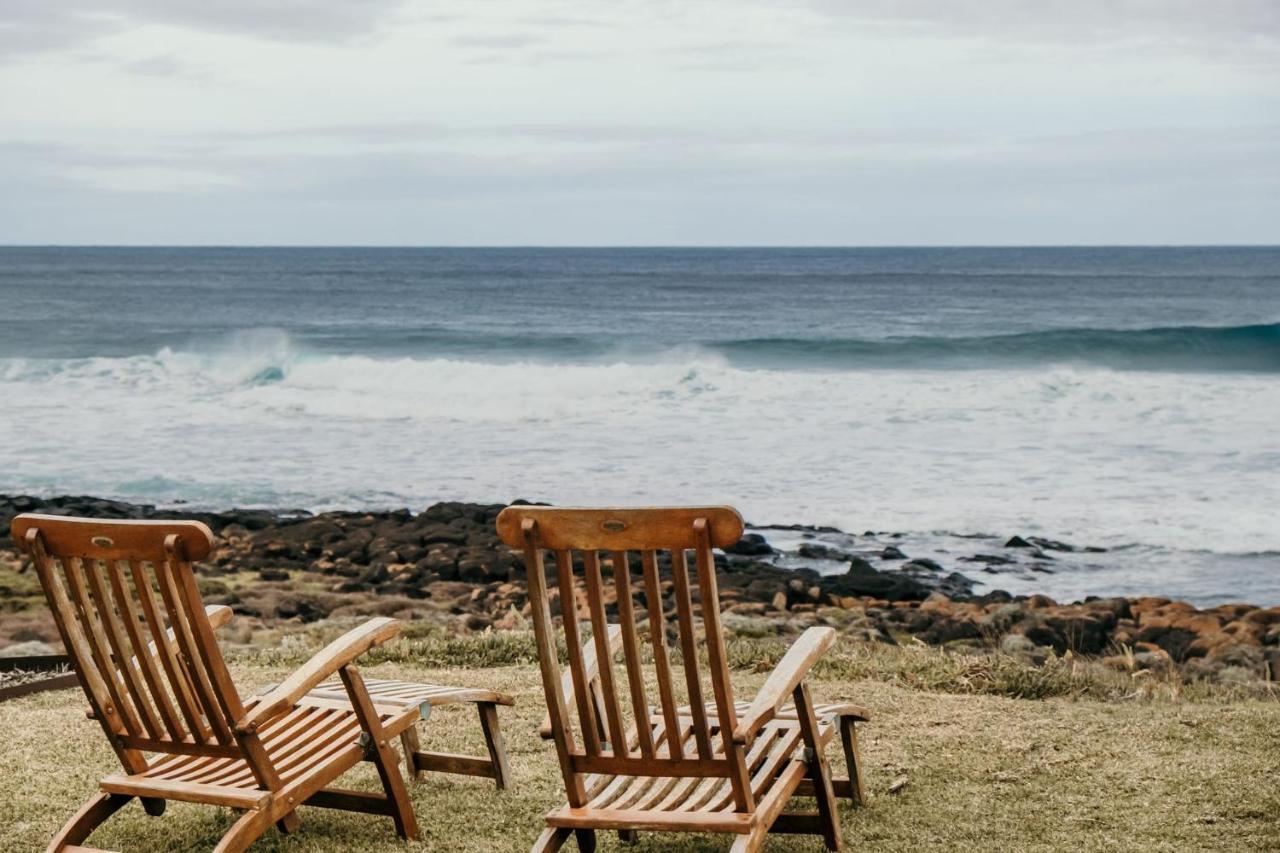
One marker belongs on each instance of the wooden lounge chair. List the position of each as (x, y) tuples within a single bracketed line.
[(125, 600), (707, 766)]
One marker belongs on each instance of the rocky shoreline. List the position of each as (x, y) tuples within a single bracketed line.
[(446, 564)]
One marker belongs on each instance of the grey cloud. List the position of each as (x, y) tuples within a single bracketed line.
[(498, 41), (382, 135), (165, 65), (1189, 21), (35, 26), (560, 21)]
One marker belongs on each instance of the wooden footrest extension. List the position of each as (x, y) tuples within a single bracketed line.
[(351, 801), (841, 787), (427, 696), (447, 762)]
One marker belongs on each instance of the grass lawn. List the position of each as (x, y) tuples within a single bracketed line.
[(1092, 763)]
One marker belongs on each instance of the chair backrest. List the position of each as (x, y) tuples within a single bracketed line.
[(590, 540), (127, 606)]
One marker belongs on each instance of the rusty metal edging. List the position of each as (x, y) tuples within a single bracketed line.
[(58, 682)]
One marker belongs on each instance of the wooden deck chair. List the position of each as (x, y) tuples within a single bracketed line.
[(126, 604), (709, 766)]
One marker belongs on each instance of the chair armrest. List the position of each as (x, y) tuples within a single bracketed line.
[(218, 615), (322, 665), (784, 679), (591, 670)]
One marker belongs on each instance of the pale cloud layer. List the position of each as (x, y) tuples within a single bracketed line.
[(639, 121)]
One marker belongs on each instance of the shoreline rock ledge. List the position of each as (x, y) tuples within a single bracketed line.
[(446, 563)]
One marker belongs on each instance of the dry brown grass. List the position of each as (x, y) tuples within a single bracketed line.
[(1159, 770)]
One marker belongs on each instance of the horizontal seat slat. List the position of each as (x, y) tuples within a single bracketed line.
[(571, 818), (702, 768), (189, 792), (412, 693)]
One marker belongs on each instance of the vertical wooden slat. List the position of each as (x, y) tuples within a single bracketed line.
[(122, 650), (147, 662), (569, 616), (72, 568), (689, 651), (631, 652), (189, 656), (720, 685), (604, 658), (658, 636), (168, 655), (539, 606), (710, 594)]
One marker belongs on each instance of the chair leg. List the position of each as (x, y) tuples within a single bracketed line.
[(90, 816), (397, 794), (551, 839), (819, 771), (586, 839), (409, 740), (749, 843), (384, 757), (828, 818), (852, 758), (289, 823), (153, 806), (495, 743), (244, 832), (628, 836)]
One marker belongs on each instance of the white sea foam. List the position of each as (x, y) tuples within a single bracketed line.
[(1185, 461)]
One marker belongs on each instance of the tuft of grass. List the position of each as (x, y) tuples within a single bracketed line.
[(19, 591)]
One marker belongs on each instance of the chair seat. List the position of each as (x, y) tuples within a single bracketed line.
[(706, 804), (314, 743), (390, 692)]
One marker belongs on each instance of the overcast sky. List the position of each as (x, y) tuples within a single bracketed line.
[(577, 122)]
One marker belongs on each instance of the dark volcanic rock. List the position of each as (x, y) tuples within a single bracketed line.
[(863, 580), (797, 528), (1176, 642), (1052, 545), (813, 551), (990, 559), (750, 545)]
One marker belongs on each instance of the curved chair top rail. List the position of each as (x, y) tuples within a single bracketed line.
[(113, 540), (620, 529)]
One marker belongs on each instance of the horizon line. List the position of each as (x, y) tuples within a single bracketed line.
[(580, 246)]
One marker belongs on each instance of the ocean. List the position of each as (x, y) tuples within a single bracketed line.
[(1123, 398)]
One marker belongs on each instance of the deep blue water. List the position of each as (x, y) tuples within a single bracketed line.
[(1141, 308)]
